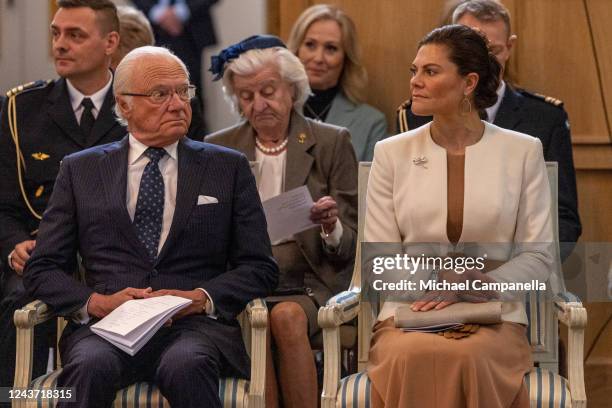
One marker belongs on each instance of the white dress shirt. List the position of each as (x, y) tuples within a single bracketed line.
[(492, 110), (76, 98)]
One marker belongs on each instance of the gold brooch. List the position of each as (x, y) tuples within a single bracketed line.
[(40, 156), (302, 138)]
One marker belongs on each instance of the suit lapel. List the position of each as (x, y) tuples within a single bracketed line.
[(114, 176), (62, 114), (105, 120), (507, 116), (299, 160), (191, 167)]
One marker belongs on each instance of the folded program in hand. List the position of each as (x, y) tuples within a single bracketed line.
[(450, 316)]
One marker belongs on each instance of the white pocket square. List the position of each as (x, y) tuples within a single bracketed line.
[(203, 199)]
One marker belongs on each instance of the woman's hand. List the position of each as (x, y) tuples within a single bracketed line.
[(435, 299), (325, 212)]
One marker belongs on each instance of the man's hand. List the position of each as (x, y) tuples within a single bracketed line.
[(170, 22), (198, 297), (325, 212), (101, 305), (21, 253)]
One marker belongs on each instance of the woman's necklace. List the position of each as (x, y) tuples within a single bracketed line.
[(271, 150), (318, 117)]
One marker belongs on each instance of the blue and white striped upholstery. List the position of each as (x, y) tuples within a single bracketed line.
[(354, 391), (546, 390), (232, 391)]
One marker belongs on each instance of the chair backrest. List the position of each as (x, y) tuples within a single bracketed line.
[(543, 327)]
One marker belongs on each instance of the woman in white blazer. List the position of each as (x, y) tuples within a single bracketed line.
[(454, 181)]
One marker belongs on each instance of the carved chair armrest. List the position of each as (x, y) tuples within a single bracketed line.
[(257, 318), (572, 314), (340, 309), (26, 318)]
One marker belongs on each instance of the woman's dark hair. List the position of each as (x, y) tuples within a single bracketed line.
[(469, 51)]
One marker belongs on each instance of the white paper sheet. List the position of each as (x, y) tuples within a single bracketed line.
[(289, 213), (131, 325)]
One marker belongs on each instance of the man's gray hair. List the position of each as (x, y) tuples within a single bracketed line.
[(289, 66), (127, 68)]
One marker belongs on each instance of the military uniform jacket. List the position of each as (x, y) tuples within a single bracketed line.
[(47, 130), (541, 117)]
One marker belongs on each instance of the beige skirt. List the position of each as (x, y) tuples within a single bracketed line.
[(426, 370)]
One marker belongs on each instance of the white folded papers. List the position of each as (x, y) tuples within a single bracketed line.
[(288, 213), (131, 325)]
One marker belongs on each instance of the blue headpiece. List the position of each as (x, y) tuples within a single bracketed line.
[(218, 62)]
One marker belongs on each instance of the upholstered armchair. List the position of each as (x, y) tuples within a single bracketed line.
[(234, 392), (546, 387)]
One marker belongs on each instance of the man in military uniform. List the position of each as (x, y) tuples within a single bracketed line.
[(520, 110), (41, 123)]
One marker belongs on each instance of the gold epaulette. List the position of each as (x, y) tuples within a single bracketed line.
[(26, 87), (402, 115), (548, 99)]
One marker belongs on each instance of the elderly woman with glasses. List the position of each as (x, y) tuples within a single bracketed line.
[(268, 85)]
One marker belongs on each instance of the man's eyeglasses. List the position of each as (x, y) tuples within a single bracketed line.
[(161, 95)]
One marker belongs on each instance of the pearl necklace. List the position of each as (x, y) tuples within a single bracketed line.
[(271, 150)]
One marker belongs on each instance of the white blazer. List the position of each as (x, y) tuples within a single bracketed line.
[(506, 200)]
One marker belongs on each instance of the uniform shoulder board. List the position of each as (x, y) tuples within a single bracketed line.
[(28, 87), (405, 105), (548, 99), (402, 115)]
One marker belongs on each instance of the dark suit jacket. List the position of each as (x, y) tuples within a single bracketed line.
[(199, 27), (532, 114), (324, 161), (46, 124), (221, 247)]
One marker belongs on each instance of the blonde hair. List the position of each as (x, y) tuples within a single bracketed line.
[(289, 67), (134, 31), (354, 77)]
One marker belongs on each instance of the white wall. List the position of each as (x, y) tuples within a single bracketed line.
[(236, 20), (24, 33), (24, 52)]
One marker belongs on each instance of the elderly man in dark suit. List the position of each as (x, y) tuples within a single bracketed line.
[(520, 110), (153, 214)]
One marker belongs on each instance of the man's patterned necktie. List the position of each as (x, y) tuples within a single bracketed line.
[(150, 204)]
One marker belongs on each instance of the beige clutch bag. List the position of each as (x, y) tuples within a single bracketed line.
[(451, 316)]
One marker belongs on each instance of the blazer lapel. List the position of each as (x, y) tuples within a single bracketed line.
[(299, 160), (62, 114), (191, 168), (507, 116), (114, 176), (105, 120), (341, 111)]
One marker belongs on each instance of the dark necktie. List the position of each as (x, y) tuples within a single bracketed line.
[(150, 204), (87, 118)]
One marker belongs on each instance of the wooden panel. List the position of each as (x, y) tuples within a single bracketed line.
[(555, 56), (600, 15), (593, 157)]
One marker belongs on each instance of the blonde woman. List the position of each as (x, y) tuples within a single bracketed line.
[(325, 40)]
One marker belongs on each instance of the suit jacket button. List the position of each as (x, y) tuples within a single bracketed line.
[(154, 272)]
